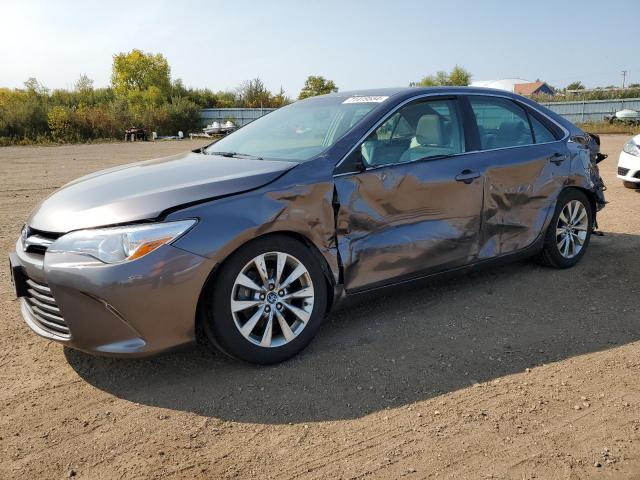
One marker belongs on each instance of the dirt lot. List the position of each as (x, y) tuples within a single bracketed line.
[(516, 372)]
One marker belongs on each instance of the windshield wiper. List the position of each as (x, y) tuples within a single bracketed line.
[(235, 155)]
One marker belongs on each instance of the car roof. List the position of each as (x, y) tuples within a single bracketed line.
[(401, 94), (411, 91)]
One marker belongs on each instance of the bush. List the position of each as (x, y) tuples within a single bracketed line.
[(64, 116), (588, 95), (143, 96), (22, 114), (60, 123), (606, 127)]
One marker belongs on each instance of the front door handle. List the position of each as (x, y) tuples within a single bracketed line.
[(558, 158), (466, 176)]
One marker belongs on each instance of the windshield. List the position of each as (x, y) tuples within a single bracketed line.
[(298, 131)]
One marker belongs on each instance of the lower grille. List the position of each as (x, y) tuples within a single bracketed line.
[(44, 309), (622, 171)]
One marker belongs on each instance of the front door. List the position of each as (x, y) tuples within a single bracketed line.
[(416, 207)]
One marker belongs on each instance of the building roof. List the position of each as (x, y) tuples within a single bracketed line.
[(529, 88), (507, 84)]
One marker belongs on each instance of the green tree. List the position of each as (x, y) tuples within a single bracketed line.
[(178, 89), (204, 98), (33, 86), (577, 85), (280, 99), (83, 84), (137, 71), (253, 94), (317, 85), (82, 91), (226, 99), (458, 76)]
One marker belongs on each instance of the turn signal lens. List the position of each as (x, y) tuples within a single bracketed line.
[(148, 247)]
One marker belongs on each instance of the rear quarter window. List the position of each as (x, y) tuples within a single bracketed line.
[(541, 133)]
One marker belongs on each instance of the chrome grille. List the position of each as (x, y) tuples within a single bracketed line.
[(35, 241), (44, 309)]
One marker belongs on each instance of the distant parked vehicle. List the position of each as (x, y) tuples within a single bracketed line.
[(135, 133), (629, 163), (624, 116)]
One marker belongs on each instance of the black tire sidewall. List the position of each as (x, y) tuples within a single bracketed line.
[(551, 245), (219, 324)]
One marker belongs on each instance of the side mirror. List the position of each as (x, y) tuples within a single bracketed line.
[(355, 162), (360, 160)]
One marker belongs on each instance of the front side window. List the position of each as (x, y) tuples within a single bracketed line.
[(420, 130), (501, 123), (297, 132)]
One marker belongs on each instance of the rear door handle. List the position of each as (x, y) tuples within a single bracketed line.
[(558, 158), (467, 176)]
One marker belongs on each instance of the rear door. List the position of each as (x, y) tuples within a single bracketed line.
[(416, 207), (525, 168)]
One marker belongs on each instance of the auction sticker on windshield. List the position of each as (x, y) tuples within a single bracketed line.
[(367, 99)]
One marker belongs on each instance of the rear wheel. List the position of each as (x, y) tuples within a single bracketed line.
[(569, 232), (267, 301)]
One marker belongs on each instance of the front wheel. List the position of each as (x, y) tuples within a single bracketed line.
[(569, 232), (267, 301)]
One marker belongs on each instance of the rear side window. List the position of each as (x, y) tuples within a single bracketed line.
[(501, 123), (542, 133)]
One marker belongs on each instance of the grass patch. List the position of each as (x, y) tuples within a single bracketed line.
[(606, 127)]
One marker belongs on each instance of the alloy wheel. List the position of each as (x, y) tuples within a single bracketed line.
[(571, 229), (272, 299)]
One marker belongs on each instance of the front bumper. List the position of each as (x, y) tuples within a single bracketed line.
[(137, 308), (629, 168)]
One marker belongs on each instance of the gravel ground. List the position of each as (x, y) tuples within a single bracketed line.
[(514, 372)]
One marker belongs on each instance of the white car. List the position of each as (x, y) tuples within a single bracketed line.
[(629, 163)]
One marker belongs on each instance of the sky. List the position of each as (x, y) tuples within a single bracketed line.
[(357, 44)]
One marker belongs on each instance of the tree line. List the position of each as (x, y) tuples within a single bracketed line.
[(141, 93)]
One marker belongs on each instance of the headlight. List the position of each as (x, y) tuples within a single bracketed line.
[(631, 148), (120, 244)]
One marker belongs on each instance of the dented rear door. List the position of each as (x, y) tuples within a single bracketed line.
[(521, 186), (525, 170)]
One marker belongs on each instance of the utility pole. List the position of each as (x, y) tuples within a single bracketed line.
[(624, 77)]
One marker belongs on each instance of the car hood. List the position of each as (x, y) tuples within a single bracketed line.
[(143, 190)]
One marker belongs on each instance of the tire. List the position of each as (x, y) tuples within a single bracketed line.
[(303, 315), (556, 253), (631, 185)]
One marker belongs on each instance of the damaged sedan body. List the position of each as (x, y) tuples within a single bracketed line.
[(247, 243)]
